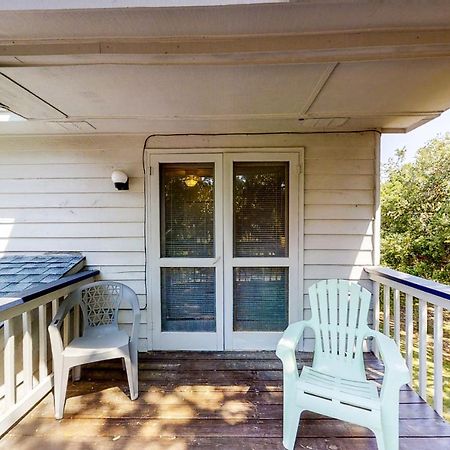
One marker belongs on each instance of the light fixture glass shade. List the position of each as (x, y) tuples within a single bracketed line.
[(191, 181)]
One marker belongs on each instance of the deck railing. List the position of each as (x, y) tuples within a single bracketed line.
[(403, 304), (27, 374)]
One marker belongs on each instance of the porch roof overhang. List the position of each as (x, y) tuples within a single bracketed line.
[(336, 65)]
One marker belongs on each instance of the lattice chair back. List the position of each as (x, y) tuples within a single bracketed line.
[(339, 320), (100, 302)]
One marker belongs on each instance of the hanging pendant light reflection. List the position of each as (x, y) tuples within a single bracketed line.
[(191, 181)]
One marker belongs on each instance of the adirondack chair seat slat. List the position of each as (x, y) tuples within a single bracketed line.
[(336, 384), (362, 394)]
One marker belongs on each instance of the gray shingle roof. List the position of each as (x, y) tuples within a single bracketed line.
[(21, 272)]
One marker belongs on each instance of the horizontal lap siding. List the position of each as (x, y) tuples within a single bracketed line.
[(339, 211), (56, 194)]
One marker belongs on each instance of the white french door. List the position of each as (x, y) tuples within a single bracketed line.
[(223, 249), (186, 254), (261, 248)]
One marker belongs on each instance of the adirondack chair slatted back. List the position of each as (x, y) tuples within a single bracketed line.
[(339, 319), (100, 303)]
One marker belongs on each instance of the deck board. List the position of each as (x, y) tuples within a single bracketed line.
[(226, 401)]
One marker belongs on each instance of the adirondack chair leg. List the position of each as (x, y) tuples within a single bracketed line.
[(389, 420), (380, 440), (291, 421), (60, 389), (131, 378)]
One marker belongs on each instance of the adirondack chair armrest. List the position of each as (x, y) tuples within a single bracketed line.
[(396, 373), (287, 345)]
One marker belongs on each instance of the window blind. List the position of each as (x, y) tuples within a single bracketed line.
[(260, 203), (260, 298), (188, 299), (187, 210)]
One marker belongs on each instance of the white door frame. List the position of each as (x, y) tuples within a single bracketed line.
[(176, 340), (255, 340)]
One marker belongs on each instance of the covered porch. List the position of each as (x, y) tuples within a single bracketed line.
[(205, 400), (308, 87)]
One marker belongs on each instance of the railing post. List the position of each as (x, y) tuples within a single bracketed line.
[(9, 363), (387, 310), (397, 316), (43, 357), (376, 315), (409, 328), (66, 326), (27, 350), (437, 355), (423, 349)]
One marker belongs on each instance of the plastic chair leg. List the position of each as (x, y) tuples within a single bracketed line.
[(76, 373), (61, 378), (131, 378)]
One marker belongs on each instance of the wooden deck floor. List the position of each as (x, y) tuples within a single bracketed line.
[(227, 401)]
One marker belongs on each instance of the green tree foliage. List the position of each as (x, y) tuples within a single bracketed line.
[(415, 212)]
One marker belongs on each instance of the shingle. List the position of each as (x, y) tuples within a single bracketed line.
[(19, 287), (11, 271), (34, 278), (11, 278), (55, 271), (25, 270), (50, 278)]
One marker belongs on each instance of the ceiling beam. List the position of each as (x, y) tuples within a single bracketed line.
[(264, 49)]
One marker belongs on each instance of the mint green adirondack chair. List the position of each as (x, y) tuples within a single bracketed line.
[(336, 385)]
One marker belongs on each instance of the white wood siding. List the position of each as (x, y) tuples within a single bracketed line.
[(56, 195)]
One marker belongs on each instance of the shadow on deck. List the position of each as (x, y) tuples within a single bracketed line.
[(226, 400)]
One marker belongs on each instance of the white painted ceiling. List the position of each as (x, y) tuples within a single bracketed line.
[(133, 94)]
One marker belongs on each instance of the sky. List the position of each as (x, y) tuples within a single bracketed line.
[(414, 139)]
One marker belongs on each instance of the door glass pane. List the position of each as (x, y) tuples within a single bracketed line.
[(188, 299), (260, 298), (187, 210), (260, 203)]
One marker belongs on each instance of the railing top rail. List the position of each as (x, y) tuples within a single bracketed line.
[(421, 284), (11, 306)]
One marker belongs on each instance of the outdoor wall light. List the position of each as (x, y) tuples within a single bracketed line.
[(120, 180)]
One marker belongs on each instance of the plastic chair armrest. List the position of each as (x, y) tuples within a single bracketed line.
[(287, 345), (396, 373), (62, 312), (134, 337), (57, 321)]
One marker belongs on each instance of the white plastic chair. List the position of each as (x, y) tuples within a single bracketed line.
[(336, 385), (101, 338)]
